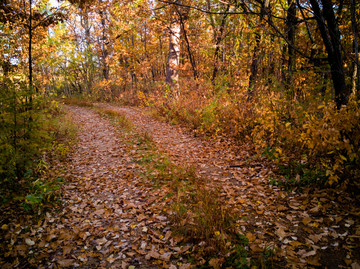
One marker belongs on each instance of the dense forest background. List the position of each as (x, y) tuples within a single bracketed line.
[(281, 75)]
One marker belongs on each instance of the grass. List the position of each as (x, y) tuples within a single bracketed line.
[(78, 102)]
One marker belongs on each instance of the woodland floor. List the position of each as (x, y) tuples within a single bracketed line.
[(111, 217)]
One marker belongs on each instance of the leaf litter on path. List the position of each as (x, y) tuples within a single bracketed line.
[(112, 219), (309, 228), (107, 220)]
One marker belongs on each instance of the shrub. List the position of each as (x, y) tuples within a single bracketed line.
[(316, 143), (22, 136)]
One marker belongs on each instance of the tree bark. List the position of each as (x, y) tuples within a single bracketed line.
[(330, 34), (254, 69), (291, 21), (356, 72), (30, 49), (254, 65), (172, 66), (30, 61), (105, 53), (219, 36), (88, 65), (188, 48)]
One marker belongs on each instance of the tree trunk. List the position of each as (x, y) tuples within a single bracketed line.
[(330, 34), (219, 36), (188, 48), (356, 72), (291, 21), (172, 66), (30, 56), (105, 67), (88, 65), (254, 65), (254, 69)]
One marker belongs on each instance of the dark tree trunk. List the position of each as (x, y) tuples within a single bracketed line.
[(188, 48), (105, 68), (254, 65), (30, 104), (330, 34), (30, 50), (254, 69), (219, 37), (356, 77), (291, 22)]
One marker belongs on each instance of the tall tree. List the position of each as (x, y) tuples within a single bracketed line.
[(291, 22), (172, 65), (354, 24), (330, 33)]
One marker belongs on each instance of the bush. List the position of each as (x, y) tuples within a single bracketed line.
[(311, 143), (22, 137), (28, 130), (316, 143)]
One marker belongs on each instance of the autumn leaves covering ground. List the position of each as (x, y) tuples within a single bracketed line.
[(140, 193)]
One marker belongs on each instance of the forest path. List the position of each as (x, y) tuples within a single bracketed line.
[(104, 202), (315, 227), (109, 213), (109, 218), (115, 217)]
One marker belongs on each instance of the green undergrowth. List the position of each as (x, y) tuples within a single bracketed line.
[(43, 182), (33, 138), (194, 206)]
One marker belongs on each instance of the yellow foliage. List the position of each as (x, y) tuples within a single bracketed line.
[(317, 138), (321, 137)]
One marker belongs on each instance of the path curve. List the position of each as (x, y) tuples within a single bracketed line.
[(307, 228)]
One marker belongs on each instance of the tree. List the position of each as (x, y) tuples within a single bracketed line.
[(291, 22), (330, 34), (172, 65)]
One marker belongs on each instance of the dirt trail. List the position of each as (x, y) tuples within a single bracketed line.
[(111, 219), (108, 220), (111, 209), (212, 159), (309, 228), (103, 197)]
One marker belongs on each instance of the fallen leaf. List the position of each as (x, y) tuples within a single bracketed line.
[(215, 263), (306, 220), (29, 242), (315, 261), (281, 208), (295, 243), (281, 233), (250, 236), (66, 262), (315, 237), (99, 212), (308, 254)]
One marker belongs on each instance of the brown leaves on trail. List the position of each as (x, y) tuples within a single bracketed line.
[(112, 218), (304, 228), (109, 218)]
